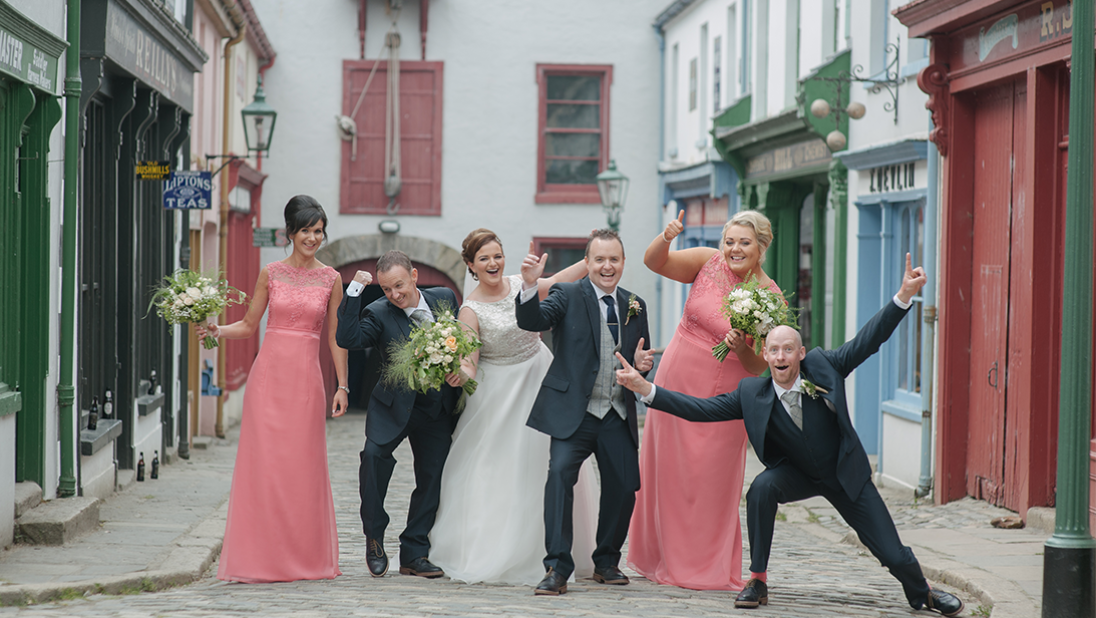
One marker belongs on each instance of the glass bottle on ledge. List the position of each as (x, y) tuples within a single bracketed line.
[(93, 414)]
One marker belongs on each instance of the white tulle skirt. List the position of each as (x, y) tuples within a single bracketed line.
[(490, 522)]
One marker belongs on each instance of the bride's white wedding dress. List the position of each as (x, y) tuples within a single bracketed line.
[(490, 522)]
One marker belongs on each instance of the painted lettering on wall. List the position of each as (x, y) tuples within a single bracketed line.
[(26, 62), (788, 158), (1004, 28), (139, 52), (11, 51), (1055, 21), (889, 178)]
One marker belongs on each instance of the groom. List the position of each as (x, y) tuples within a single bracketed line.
[(396, 413), (798, 422), (580, 406)]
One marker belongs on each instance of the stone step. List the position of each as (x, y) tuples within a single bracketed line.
[(27, 496), (58, 521)]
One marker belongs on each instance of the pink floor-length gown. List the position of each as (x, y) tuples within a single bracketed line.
[(281, 517), (685, 529)]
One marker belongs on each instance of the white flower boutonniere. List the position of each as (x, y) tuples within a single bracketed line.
[(634, 308), (812, 390)]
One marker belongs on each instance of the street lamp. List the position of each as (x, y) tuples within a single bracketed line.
[(259, 121), (612, 186)]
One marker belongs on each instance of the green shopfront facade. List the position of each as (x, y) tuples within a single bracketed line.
[(31, 78)]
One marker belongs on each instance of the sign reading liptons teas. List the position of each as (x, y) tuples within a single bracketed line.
[(22, 60), (189, 190), (1029, 29), (138, 51), (153, 170)]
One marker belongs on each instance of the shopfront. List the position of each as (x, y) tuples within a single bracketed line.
[(998, 82)]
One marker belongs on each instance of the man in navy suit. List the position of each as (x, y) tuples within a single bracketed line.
[(395, 413), (581, 406), (798, 423)]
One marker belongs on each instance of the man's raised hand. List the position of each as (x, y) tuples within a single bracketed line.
[(363, 277), (644, 359), (532, 267), (912, 281), (630, 379)]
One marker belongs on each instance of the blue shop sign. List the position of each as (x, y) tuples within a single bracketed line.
[(188, 190)]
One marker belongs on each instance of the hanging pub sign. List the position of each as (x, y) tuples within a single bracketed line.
[(153, 170), (269, 237), (188, 190)]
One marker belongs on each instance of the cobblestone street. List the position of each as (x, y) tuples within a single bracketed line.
[(811, 575)]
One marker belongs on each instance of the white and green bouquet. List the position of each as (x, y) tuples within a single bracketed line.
[(755, 310), (189, 297), (421, 362)]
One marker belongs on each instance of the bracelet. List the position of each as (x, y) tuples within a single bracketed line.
[(345, 388), (664, 238)]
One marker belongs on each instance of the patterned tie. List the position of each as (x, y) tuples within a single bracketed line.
[(611, 318), (420, 317), (792, 399)]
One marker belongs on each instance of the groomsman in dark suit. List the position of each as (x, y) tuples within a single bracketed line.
[(798, 423), (396, 413), (581, 406)]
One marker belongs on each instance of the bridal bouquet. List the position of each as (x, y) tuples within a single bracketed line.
[(187, 296), (755, 310), (421, 362)]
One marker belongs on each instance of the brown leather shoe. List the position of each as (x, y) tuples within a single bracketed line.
[(755, 593), (553, 584), (610, 575)]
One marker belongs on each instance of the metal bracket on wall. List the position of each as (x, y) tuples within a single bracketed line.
[(230, 157), (885, 80)]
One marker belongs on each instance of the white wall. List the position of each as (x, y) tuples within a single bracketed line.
[(489, 159), (7, 479)]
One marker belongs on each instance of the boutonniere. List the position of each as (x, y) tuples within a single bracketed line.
[(812, 390), (634, 308)]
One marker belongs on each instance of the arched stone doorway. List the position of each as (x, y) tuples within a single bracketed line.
[(437, 265)]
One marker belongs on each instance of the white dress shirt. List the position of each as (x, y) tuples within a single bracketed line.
[(355, 289)]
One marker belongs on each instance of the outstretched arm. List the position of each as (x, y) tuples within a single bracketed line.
[(725, 407)]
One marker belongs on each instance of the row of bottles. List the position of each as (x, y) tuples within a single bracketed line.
[(155, 473), (94, 413)]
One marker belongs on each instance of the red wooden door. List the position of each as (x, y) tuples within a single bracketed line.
[(994, 150)]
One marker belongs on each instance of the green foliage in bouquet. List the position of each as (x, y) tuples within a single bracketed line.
[(421, 362), (755, 310), (188, 297)]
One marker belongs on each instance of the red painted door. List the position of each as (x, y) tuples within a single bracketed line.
[(994, 151)]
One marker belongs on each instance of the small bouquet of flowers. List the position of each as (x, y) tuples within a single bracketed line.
[(187, 296), (755, 310), (421, 362)]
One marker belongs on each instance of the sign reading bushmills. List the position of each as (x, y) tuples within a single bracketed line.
[(188, 190)]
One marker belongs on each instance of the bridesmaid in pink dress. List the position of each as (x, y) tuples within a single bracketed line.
[(685, 529), (281, 517)]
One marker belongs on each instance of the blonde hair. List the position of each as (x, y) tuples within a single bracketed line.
[(759, 223)]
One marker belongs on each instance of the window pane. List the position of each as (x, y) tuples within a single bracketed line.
[(904, 342), (572, 145), (571, 172), (565, 116), (915, 314), (574, 88), (562, 257)]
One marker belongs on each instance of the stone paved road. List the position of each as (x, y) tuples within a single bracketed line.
[(811, 576)]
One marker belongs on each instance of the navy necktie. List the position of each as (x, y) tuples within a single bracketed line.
[(611, 318)]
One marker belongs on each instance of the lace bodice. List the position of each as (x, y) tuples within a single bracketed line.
[(503, 342), (703, 316), (298, 297)]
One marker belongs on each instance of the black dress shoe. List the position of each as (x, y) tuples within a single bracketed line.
[(375, 557), (421, 567), (553, 584), (755, 593), (610, 575), (944, 602)]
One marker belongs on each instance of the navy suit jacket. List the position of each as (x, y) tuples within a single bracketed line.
[(389, 407), (572, 313), (754, 399)]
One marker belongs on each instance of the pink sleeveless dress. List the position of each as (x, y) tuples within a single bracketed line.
[(685, 529), (281, 518)]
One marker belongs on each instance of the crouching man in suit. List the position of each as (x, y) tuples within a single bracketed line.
[(798, 423)]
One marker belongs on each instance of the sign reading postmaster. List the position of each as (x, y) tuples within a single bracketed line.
[(188, 190)]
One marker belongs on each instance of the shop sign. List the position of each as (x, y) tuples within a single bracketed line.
[(189, 190), (888, 178), (788, 159), (153, 170), (139, 52), (22, 60), (1031, 28), (269, 237)]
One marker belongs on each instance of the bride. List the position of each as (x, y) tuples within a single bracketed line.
[(490, 522)]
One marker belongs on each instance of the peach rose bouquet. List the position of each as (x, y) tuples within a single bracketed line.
[(421, 362)]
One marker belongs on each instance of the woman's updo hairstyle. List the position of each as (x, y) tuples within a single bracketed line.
[(473, 242), (303, 211), (759, 223)]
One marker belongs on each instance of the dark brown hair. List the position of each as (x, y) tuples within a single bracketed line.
[(473, 242), (393, 259), (604, 234), (303, 211)]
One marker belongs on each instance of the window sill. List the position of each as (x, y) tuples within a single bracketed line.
[(569, 197), (93, 440), (902, 410)]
